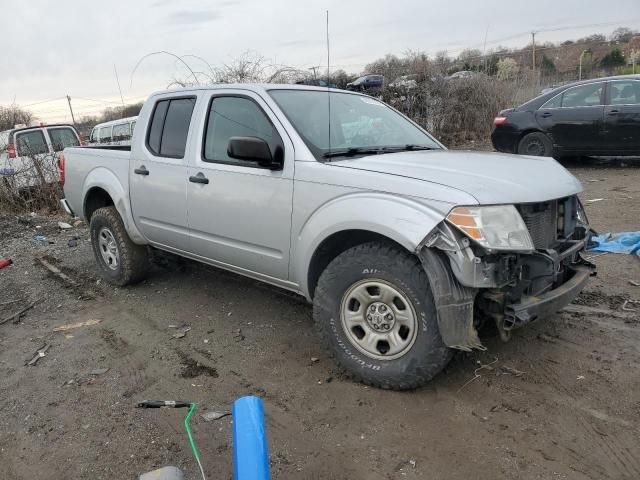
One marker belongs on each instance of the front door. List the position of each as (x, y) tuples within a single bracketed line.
[(239, 212), (158, 174), (622, 116), (575, 118)]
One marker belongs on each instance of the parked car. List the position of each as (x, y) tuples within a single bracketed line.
[(19, 147), (366, 82), (115, 132), (593, 117), (403, 247)]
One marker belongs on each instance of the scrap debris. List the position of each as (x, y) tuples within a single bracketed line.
[(180, 333), (16, 316), (628, 309), (72, 326), (40, 353), (56, 271), (5, 262), (210, 416)]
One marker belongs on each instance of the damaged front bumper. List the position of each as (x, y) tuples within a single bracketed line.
[(471, 285), (530, 308)]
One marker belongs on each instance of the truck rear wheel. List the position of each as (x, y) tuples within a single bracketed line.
[(374, 308), (119, 260)]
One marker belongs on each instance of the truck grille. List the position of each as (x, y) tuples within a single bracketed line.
[(550, 222)]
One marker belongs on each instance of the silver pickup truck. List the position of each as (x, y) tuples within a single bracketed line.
[(404, 248)]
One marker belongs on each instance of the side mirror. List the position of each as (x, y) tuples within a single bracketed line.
[(253, 149)]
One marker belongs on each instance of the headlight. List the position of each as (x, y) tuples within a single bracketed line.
[(497, 227)]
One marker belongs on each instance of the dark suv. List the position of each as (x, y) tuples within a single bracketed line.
[(593, 117)]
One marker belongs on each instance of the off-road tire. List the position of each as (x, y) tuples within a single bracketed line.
[(133, 259), (536, 144), (427, 356)]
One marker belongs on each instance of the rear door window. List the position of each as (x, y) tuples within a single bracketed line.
[(624, 92), (62, 138), (167, 136), (31, 143)]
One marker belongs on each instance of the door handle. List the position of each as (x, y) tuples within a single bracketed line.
[(613, 112), (141, 171), (546, 115), (199, 178)]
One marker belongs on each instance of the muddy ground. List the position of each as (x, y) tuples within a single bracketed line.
[(560, 401)]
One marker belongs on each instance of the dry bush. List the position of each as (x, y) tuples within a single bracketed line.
[(456, 112), (31, 186)]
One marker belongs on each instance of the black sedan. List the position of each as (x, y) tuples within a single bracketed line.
[(593, 117)]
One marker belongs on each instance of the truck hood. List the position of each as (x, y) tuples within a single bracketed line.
[(491, 178)]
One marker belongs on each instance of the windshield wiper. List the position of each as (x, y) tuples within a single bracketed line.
[(351, 151), (409, 147)]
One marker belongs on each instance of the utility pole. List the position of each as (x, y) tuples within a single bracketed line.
[(71, 110), (533, 55), (315, 72)]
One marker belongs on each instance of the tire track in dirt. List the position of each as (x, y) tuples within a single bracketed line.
[(617, 455)]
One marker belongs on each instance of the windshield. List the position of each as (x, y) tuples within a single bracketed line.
[(358, 124)]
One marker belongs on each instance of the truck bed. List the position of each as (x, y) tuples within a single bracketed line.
[(106, 166)]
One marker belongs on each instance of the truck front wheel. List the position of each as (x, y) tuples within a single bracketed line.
[(120, 261), (374, 308)]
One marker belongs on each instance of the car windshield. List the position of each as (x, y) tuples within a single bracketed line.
[(358, 125)]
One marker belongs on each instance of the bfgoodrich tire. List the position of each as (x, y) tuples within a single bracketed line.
[(537, 144), (374, 308), (120, 261)]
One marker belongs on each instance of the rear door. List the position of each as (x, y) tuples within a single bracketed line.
[(574, 118), (158, 173), (242, 216), (622, 116)]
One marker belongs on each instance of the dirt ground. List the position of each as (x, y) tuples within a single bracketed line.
[(561, 400)]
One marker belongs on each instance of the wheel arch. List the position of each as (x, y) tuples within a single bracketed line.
[(103, 189), (340, 224)]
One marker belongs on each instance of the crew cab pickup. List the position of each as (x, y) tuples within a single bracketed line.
[(404, 248)]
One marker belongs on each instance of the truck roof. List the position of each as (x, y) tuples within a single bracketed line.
[(116, 122), (256, 87)]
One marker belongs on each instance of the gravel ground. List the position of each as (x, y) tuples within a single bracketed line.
[(561, 400)]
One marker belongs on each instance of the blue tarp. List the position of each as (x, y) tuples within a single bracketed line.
[(623, 242)]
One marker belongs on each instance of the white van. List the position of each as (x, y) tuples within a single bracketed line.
[(115, 132), (19, 147)]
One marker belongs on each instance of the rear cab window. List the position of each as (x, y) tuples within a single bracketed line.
[(31, 142), (169, 127), (105, 134), (62, 138), (121, 132)]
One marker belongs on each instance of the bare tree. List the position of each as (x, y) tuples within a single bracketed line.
[(14, 115)]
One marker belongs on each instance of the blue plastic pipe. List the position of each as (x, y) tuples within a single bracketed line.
[(250, 452)]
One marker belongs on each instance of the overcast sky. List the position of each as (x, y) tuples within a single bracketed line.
[(64, 47)]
